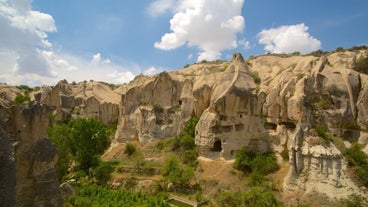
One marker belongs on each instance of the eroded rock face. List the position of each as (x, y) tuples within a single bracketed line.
[(279, 113), (27, 157), (317, 165), (7, 170), (232, 119), (85, 99)]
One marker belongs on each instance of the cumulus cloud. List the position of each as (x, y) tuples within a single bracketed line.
[(24, 34), (210, 25), (28, 57), (288, 39)]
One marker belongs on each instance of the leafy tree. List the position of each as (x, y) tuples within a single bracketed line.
[(174, 173), (60, 135), (184, 143), (257, 164), (90, 140)]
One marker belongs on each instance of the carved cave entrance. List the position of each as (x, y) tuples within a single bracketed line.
[(217, 146)]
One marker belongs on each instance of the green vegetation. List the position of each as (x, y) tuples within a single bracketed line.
[(361, 65), (91, 138), (94, 195), (261, 163), (323, 133), (82, 140), (358, 161), (60, 135), (19, 99), (179, 176), (103, 171), (255, 77), (130, 149), (184, 143), (256, 197), (318, 53), (256, 164)]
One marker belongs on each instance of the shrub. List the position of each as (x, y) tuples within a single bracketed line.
[(261, 163), (355, 200), (261, 197), (358, 161), (174, 173), (19, 99), (103, 171), (361, 65), (256, 78), (157, 108), (323, 133), (184, 143), (130, 149)]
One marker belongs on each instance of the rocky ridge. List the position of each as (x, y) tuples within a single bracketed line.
[(269, 102)]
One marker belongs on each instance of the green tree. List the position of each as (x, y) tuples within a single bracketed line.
[(174, 173), (90, 140), (60, 135)]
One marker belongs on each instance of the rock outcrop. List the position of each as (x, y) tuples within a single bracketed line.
[(85, 99), (269, 102), (27, 157)]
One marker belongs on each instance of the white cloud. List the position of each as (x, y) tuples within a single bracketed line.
[(96, 59), (28, 57), (152, 70), (210, 25), (288, 39), (159, 7), (24, 34), (244, 43)]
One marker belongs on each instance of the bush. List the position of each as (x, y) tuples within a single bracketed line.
[(256, 197), (19, 99), (261, 197), (174, 173), (358, 161), (103, 171), (361, 65), (256, 78), (184, 143), (355, 200), (130, 149), (261, 163)]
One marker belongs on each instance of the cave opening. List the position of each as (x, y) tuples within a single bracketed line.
[(217, 146)]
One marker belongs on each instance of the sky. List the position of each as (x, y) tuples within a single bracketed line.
[(43, 41)]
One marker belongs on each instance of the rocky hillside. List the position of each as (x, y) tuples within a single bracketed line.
[(308, 109)]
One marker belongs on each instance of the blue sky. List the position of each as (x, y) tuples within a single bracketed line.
[(43, 41)]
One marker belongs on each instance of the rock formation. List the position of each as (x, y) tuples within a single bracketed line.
[(85, 99), (27, 157), (269, 102)]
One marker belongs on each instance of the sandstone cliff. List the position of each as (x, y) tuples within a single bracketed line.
[(27, 157), (269, 102), (85, 99)]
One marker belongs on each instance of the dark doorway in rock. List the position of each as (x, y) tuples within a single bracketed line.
[(217, 146)]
